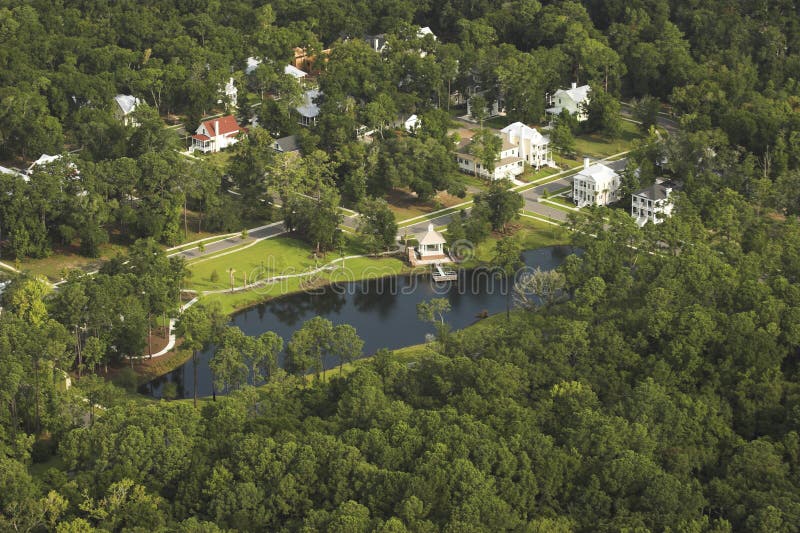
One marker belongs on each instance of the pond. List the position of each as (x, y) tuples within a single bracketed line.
[(383, 311)]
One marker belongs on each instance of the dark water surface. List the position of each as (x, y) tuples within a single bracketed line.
[(383, 311)]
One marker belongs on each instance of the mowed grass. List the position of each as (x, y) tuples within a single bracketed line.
[(271, 257), (280, 256), (354, 269)]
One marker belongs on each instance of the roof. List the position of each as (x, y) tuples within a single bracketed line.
[(432, 237), (13, 172), (657, 191), (507, 144), (598, 173), (201, 137), (411, 122), (44, 159), (523, 131), (227, 125), (252, 64), (577, 94), (287, 144), (126, 102), (308, 108), (294, 71), (425, 31)]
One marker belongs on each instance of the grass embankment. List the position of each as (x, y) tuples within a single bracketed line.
[(282, 256)]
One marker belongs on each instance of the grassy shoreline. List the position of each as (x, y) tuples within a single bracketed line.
[(532, 234)]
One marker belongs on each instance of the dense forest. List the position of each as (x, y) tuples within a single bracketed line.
[(654, 387)]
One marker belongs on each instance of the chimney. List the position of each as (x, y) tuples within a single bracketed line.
[(430, 227), (585, 163), (574, 85), (216, 128)]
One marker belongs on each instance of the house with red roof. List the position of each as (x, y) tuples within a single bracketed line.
[(215, 134)]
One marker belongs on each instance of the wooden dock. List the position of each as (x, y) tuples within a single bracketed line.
[(440, 274)]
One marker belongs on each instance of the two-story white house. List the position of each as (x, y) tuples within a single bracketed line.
[(215, 135), (534, 147), (574, 100), (652, 204), (125, 104), (507, 164), (595, 184)]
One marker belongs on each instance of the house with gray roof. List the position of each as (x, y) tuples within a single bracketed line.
[(574, 100), (653, 203), (124, 105)]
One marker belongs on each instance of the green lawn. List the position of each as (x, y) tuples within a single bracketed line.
[(281, 256), (270, 257), (530, 233)]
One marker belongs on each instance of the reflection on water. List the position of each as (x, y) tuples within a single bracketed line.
[(383, 311)]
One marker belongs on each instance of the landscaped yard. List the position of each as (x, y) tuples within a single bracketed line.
[(404, 204)]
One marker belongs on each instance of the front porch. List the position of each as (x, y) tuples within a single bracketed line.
[(202, 143)]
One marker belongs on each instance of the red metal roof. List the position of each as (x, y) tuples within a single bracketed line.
[(226, 124), (201, 137)]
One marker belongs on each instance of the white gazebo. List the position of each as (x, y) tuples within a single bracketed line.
[(430, 249)]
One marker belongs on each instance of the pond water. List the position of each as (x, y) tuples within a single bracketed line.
[(383, 311)]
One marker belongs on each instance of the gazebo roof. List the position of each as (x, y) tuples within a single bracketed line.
[(432, 237)]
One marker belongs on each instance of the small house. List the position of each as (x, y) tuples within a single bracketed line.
[(309, 110), (286, 145), (412, 124), (125, 104), (215, 135), (574, 100)]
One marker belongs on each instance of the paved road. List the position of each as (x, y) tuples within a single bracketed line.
[(532, 196), (270, 230), (667, 123)]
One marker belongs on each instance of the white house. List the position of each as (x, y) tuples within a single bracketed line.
[(309, 110), (252, 65), (46, 159), (595, 185), (125, 104), (574, 100), (411, 124), (14, 172), (294, 72), (230, 94), (215, 135), (652, 204), (422, 32), (507, 165), (534, 147)]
